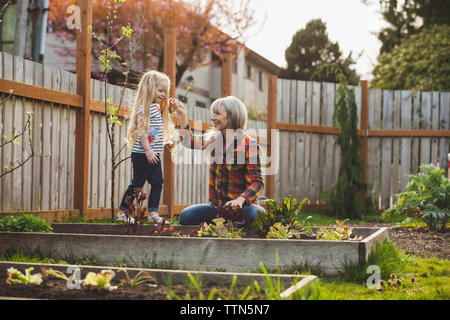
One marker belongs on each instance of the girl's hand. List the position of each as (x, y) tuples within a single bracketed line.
[(152, 157), (239, 202), (179, 107)]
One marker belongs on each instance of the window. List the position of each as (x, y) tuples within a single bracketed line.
[(234, 66), (260, 80), (8, 29), (249, 71), (200, 104)]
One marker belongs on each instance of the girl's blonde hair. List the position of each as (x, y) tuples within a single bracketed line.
[(236, 113), (145, 96)]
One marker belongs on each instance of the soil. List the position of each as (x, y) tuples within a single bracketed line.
[(417, 241), (57, 289)]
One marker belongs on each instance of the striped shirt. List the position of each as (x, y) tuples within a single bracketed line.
[(155, 133)]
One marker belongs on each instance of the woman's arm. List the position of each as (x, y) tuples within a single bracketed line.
[(188, 139)]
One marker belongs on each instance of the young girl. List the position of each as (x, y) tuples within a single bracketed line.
[(150, 128)]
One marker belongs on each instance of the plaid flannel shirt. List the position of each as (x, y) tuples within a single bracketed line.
[(237, 172)]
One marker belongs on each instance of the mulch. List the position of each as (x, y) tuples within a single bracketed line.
[(417, 241)]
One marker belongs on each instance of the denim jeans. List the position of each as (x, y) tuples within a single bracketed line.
[(145, 171), (196, 214)]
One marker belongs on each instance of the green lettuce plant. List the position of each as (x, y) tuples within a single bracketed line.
[(427, 195), (24, 223)]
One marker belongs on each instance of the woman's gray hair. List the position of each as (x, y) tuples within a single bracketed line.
[(235, 109)]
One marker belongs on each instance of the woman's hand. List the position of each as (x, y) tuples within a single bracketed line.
[(152, 157), (181, 109), (239, 202)]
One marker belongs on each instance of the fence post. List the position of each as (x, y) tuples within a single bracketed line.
[(271, 124), (170, 69), (364, 126), (83, 69), (227, 74)]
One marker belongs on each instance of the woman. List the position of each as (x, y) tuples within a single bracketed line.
[(235, 177)]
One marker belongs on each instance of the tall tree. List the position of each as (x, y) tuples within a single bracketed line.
[(409, 17), (421, 62), (310, 50), (200, 28)]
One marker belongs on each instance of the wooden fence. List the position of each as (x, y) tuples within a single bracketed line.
[(46, 182), (404, 129)]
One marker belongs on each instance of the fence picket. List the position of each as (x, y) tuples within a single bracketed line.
[(386, 150), (405, 158)]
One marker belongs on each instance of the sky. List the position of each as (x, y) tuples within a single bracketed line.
[(349, 22)]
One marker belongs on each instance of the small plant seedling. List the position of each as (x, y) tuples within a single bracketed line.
[(17, 277), (100, 280), (141, 278)]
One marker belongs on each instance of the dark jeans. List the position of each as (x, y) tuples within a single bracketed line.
[(145, 171), (196, 214)]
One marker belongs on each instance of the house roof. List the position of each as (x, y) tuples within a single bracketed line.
[(259, 60)]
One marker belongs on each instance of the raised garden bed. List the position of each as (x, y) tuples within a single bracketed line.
[(155, 289), (192, 253)]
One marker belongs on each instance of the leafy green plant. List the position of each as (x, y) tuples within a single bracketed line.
[(340, 232), (427, 195), (24, 223), (100, 280), (279, 231), (141, 278), (287, 213), (46, 273), (220, 229), (17, 277)]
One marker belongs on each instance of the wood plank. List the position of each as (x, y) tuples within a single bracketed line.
[(170, 49), (64, 144), (102, 156), (277, 149), (396, 144), (292, 147), (300, 141), (405, 158), (328, 177), (425, 143), (374, 144), (364, 124), (315, 144), (27, 169), (83, 67), (444, 124), (36, 185), (71, 144), (39, 93), (435, 125), (307, 156), (55, 146), (18, 125), (416, 125), (271, 143), (8, 160), (46, 142), (386, 150)]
